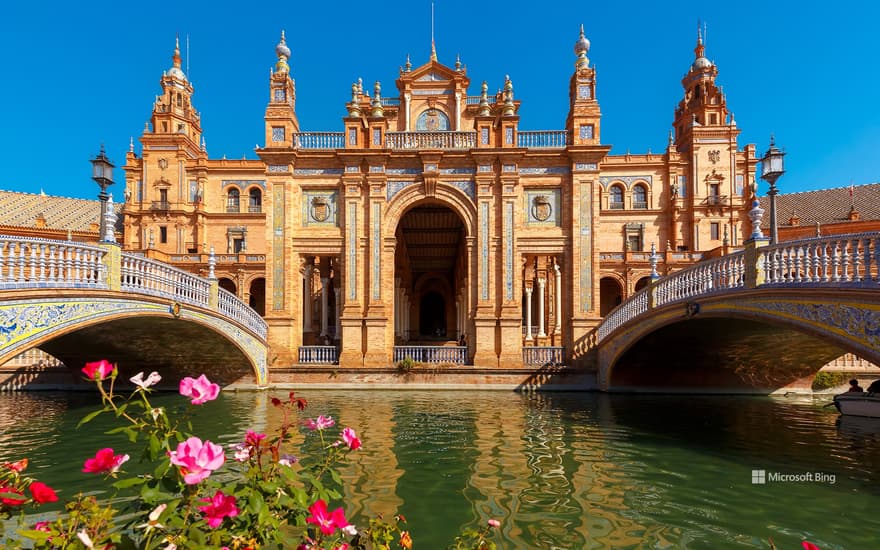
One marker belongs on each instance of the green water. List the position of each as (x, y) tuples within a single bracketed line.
[(562, 470)]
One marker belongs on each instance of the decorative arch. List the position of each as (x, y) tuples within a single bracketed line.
[(255, 199), (432, 119), (640, 196), (616, 194), (412, 196)]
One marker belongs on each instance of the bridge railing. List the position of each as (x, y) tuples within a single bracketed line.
[(821, 261), (28, 263), (229, 305), (145, 276)]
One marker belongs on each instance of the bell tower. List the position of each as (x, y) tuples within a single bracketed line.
[(584, 113), (173, 113), (281, 122)]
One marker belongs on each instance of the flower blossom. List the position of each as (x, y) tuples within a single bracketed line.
[(242, 452), (153, 519), (200, 389), (809, 545), (42, 526), (253, 438), (152, 379), (287, 460), (494, 523), (104, 461), (18, 465), (320, 423), (196, 459), (406, 540), (42, 493), (329, 522), (84, 537), (219, 506), (351, 439), (98, 370), (9, 499)]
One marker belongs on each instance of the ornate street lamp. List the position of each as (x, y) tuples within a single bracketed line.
[(102, 173), (772, 167)]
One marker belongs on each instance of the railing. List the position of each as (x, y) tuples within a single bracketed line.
[(716, 200), (255, 208), (616, 205), (233, 207), (145, 276), (640, 205), (162, 206), (319, 140), (432, 354), (33, 357), (229, 305), (834, 259), (543, 139), (475, 100), (837, 260), (526, 333), (544, 356), (318, 355), (430, 140), (29, 263), (390, 101)]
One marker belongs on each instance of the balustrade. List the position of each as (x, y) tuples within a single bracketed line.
[(28, 263), (318, 355), (432, 354), (229, 305), (430, 140), (319, 140), (542, 139), (543, 356)]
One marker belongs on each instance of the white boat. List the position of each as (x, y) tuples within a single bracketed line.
[(858, 404)]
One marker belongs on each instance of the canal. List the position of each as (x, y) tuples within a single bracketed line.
[(558, 470)]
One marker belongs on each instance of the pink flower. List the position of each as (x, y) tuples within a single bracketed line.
[(104, 461), (18, 465), (327, 521), (351, 439), (42, 493), (13, 497), (196, 459), (42, 526), (253, 438), (494, 523), (320, 423), (219, 507), (242, 452), (809, 546), (98, 370), (200, 389), (287, 460), (152, 379)]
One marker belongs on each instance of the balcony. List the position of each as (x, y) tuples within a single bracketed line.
[(233, 207), (319, 140), (255, 208), (615, 205), (543, 139), (717, 200), (640, 205), (431, 140), (160, 206)]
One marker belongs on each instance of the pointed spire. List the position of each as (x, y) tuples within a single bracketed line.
[(700, 61), (175, 69), (458, 62), (433, 48), (485, 110), (433, 51), (408, 66), (283, 53), (131, 144)]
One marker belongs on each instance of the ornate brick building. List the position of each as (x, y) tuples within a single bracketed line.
[(432, 216)]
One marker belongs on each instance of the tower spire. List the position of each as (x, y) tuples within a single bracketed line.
[(283, 53), (433, 47)]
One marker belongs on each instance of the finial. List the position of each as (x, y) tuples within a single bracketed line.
[(654, 258), (433, 51), (772, 140), (204, 146), (360, 86), (353, 108), (581, 47), (175, 69), (458, 62), (670, 138), (485, 110), (408, 65), (283, 53), (212, 263), (109, 235), (377, 110), (131, 144), (508, 96), (700, 50)]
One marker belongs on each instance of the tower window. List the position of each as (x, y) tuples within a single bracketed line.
[(714, 230), (279, 95), (713, 118), (163, 234)]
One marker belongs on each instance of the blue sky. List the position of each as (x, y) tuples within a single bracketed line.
[(80, 74)]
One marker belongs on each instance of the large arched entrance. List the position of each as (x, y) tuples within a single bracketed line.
[(430, 277)]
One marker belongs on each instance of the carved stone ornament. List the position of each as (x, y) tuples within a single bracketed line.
[(163, 164), (714, 156), (320, 209), (541, 208)]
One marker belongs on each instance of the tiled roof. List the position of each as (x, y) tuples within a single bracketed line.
[(61, 213), (824, 206)]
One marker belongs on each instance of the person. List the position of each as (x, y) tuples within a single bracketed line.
[(874, 387), (854, 386)]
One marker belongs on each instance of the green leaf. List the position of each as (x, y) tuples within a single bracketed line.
[(121, 409), (130, 482), (155, 446), (89, 417), (33, 534)]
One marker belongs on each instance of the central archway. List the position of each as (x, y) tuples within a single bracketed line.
[(431, 264)]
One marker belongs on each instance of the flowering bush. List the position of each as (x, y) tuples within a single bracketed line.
[(194, 495)]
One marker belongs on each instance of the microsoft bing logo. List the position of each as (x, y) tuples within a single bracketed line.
[(759, 477)]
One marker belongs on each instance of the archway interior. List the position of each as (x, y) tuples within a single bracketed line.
[(430, 274), (610, 295)]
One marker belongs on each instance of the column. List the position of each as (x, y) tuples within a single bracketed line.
[(528, 313), (337, 334), (307, 299), (324, 283), (558, 292), (542, 282)]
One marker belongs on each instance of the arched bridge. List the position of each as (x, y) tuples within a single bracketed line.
[(760, 320), (82, 302)]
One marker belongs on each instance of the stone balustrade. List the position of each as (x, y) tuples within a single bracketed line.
[(145, 276), (431, 140), (319, 140), (28, 263), (543, 139), (432, 354), (543, 356), (318, 355), (837, 260)]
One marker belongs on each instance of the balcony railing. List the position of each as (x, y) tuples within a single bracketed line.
[(431, 140), (319, 140), (475, 100), (615, 205), (233, 207), (255, 208), (432, 354), (543, 356), (717, 200), (318, 355), (640, 205), (543, 139), (161, 206)]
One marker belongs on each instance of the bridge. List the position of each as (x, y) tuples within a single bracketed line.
[(763, 319), (82, 302)]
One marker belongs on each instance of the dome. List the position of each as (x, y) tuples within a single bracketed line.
[(281, 49), (701, 63), (582, 45), (176, 73)]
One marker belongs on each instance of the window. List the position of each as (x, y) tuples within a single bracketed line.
[(163, 195), (634, 236), (232, 200), (163, 234), (377, 136), (615, 198), (237, 245), (255, 200), (279, 95), (352, 136), (640, 197), (277, 133), (715, 197), (714, 231)]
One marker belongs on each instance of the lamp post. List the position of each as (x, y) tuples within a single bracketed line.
[(102, 173), (772, 167)]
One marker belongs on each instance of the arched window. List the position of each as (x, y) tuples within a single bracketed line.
[(640, 197), (615, 197), (255, 203), (432, 120), (233, 200)]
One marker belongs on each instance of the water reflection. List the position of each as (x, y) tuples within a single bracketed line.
[(558, 470)]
